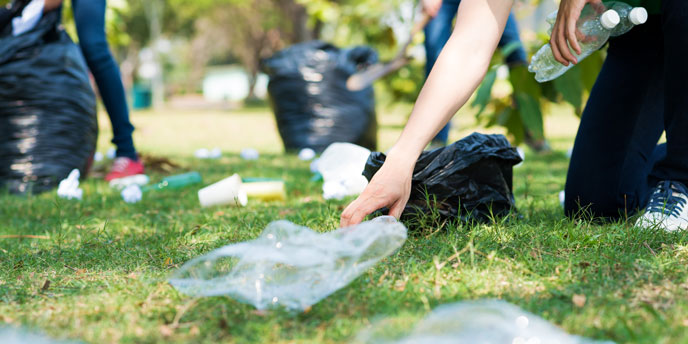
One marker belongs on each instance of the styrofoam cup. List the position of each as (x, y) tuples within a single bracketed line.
[(226, 191)]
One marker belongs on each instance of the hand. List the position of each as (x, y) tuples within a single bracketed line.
[(565, 33), (431, 7), (390, 187)]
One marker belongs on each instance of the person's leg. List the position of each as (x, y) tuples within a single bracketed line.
[(89, 16), (509, 36), (616, 144), (437, 34), (675, 32)]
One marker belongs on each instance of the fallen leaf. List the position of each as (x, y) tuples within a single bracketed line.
[(579, 300), (400, 285), (168, 261), (46, 285), (194, 331)]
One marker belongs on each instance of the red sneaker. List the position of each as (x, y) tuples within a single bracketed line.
[(124, 167)]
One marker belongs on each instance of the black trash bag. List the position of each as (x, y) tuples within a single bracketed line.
[(308, 94), (48, 122), (474, 174)]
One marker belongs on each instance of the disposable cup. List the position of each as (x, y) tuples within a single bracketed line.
[(227, 191), (265, 191)]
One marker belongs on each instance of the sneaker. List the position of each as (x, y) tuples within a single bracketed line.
[(668, 207), (124, 167)]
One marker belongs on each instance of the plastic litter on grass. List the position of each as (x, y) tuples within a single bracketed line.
[(69, 187), (483, 321), (289, 265), (341, 166)]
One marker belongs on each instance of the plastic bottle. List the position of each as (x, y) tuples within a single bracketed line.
[(176, 182), (630, 16), (596, 28)]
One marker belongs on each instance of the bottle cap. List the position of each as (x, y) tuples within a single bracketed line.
[(638, 16), (610, 19)]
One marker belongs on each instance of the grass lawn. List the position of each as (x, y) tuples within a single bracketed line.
[(107, 261)]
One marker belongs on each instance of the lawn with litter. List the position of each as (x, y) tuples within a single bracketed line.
[(97, 270)]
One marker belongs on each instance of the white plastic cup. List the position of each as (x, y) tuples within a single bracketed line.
[(226, 191)]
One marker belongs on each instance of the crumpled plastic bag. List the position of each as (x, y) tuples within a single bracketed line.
[(470, 179), (483, 321), (290, 265), (341, 165), (69, 187), (9, 335), (132, 194)]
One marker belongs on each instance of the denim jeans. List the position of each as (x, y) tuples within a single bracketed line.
[(640, 92), (89, 16), (437, 34)]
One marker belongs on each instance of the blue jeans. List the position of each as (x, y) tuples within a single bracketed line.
[(89, 16), (639, 93), (437, 34)]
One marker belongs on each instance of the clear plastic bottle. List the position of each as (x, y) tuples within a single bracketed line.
[(630, 16), (594, 26)]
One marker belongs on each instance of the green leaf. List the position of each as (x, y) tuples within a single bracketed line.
[(514, 126), (570, 85), (483, 95), (529, 110)]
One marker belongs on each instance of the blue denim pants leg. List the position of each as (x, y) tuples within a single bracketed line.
[(437, 34), (89, 16)]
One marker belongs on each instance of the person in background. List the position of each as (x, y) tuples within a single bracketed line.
[(89, 16), (617, 167), (437, 33)]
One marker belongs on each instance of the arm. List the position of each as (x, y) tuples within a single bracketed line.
[(51, 5), (456, 74)]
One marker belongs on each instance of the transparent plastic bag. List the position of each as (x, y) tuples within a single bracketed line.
[(483, 321), (289, 265), (341, 166)]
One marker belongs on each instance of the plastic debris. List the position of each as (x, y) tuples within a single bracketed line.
[(272, 190), (121, 183), (306, 154), (98, 157), (204, 153), (290, 265), (308, 94), (10, 335), (562, 197), (132, 193), (69, 187), (483, 321), (314, 166), (110, 154), (31, 15), (341, 166), (522, 154), (471, 179), (226, 191), (175, 182), (249, 154)]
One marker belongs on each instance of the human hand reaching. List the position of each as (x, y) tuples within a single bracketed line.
[(565, 33), (390, 187), (431, 7)]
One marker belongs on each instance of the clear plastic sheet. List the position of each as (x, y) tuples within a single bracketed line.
[(313, 108), (289, 265), (484, 321)]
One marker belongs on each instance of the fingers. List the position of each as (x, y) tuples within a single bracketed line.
[(398, 208), (554, 43), (571, 36), (359, 209), (597, 5), (562, 43)]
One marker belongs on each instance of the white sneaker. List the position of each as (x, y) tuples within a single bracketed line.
[(667, 208)]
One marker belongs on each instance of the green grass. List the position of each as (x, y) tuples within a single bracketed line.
[(107, 261)]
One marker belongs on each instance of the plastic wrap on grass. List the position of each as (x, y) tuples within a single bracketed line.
[(484, 321), (290, 265), (9, 335)]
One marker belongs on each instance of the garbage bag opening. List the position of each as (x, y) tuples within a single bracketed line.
[(308, 94), (470, 179)]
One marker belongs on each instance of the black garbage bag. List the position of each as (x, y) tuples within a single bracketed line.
[(470, 179), (48, 122), (308, 94)]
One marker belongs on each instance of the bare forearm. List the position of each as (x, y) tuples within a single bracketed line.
[(457, 73), (51, 5)]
